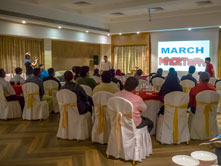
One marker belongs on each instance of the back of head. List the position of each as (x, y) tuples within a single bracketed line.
[(37, 72), (84, 71), (172, 79), (118, 72), (208, 59), (27, 55), (51, 72), (106, 77), (76, 69), (192, 69), (171, 69), (2, 73), (131, 84), (204, 77), (18, 70), (139, 72), (68, 76), (112, 72), (160, 71), (96, 71)]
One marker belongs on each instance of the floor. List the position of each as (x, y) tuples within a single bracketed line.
[(34, 143)]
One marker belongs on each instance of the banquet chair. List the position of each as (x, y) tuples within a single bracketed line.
[(119, 78), (51, 88), (218, 90), (87, 89), (72, 125), (96, 79), (203, 124), (34, 107), (125, 140), (172, 127), (187, 85), (101, 126), (157, 83), (9, 109), (142, 84), (153, 108), (213, 80)]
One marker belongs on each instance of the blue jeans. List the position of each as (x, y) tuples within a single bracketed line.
[(218, 153)]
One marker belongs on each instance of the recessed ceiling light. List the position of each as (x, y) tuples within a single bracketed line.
[(23, 22), (189, 29), (108, 34), (87, 31), (138, 33), (220, 26), (120, 33), (59, 27)]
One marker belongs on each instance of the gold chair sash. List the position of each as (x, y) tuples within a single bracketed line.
[(65, 113), (207, 110), (186, 89), (101, 117), (117, 126), (50, 90), (175, 120), (30, 99)]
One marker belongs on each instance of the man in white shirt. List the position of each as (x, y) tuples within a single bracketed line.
[(8, 90), (105, 65)]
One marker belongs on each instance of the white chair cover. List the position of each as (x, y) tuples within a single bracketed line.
[(72, 125), (96, 79), (34, 108), (187, 85), (101, 126), (157, 83), (142, 84), (153, 108), (172, 127), (51, 88), (203, 124), (87, 89), (213, 80), (125, 141), (9, 110), (218, 90)]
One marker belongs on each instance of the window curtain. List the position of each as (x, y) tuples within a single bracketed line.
[(13, 49), (219, 57), (128, 57)]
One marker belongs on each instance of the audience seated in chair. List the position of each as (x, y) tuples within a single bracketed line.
[(138, 74), (189, 76), (96, 72), (84, 102), (202, 86), (106, 84), (171, 84), (115, 80), (158, 74), (51, 73), (137, 102), (118, 72), (76, 70), (9, 92), (17, 78), (44, 73), (84, 78)]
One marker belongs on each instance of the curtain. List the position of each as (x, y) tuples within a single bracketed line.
[(13, 49), (128, 57), (219, 56)]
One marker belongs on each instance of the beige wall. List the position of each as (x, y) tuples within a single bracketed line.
[(67, 54)]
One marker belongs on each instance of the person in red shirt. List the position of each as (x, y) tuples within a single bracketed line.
[(209, 67), (202, 86)]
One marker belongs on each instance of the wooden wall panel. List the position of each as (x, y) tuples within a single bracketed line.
[(132, 40), (67, 54), (219, 57)]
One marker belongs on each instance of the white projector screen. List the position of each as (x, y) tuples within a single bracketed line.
[(182, 54)]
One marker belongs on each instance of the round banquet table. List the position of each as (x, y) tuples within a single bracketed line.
[(148, 95), (18, 89)]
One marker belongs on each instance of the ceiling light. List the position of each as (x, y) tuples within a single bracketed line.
[(23, 22), (108, 34), (220, 26), (138, 33), (82, 40), (87, 31), (189, 29), (120, 33), (59, 27)]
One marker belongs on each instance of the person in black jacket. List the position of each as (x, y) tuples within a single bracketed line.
[(84, 102), (115, 80), (158, 74)]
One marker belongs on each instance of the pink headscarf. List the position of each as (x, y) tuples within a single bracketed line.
[(118, 72)]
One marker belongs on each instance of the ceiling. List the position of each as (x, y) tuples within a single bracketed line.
[(99, 13)]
